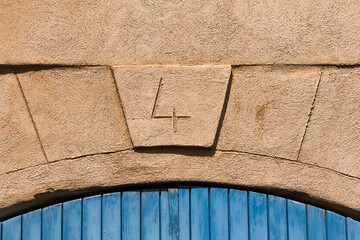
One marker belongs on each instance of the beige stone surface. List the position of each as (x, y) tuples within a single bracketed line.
[(149, 32), (172, 105), (19, 145), (76, 110), (303, 182), (333, 136), (268, 109)]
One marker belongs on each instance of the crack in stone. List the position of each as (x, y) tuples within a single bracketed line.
[(310, 113), (131, 150), (30, 115), (121, 105), (66, 159), (289, 160)]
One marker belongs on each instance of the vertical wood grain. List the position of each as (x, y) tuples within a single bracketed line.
[(111, 216), (72, 220), (31, 225)]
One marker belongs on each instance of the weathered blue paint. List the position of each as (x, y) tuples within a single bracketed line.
[(174, 213), (277, 218), (199, 212), (238, 215), (316, 223), (91, 229), (353, 229), (71, 224), (219, 222), (150, 215), (111, 216), (164, 215), (296, 220), (131, 215), (335, 226), (31, 225), (184, 213), (12, 229), (181, 214), (258, 222), (51, 223)]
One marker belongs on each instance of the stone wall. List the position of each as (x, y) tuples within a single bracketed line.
[(261, 95)]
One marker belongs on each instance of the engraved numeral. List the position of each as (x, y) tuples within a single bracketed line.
[(173, 117)]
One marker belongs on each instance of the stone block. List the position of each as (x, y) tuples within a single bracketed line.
[(173, 105), (268, 110), (332, 139), (234, 32), (19, 144), (76, 110)]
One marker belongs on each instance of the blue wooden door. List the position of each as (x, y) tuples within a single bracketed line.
[(181, 214)]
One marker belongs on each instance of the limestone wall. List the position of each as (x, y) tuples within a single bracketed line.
[(262, 95)]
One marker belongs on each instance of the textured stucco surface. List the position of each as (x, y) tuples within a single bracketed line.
[(172, 105), (19, 145), (76, 110), (283, 129), (179, 32), (333, 137), (256, 94), (305, 182), (268, 110)]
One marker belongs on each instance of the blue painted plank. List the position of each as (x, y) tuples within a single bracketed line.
[(277, 218), (316, 223), (31, 225), (199, 204), (174, 213), (150, 214), (219, 221), (238, 215), (335, 226), (164, 215), (0, 230), (131, 216), (91, 229), (51, 222), (12, 229), (258, 223), (184, 214), (353, 229), (111, 216), (72, 220), (296, 220)]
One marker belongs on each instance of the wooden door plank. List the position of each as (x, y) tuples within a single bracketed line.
[(51, 222), (131, 215), (335, 226), (296, 220), (111, 216), (316, 223), (277, 218), (91, 229), (258, 216), (219, 221), (199, 204), (353, 229), (174, 213), (184, 213), (238, 215), (12, 229), (72, 220), (31, 225), (150, 215), (164, 215)]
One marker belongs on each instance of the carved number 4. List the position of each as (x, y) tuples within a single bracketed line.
[(173, 117)]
